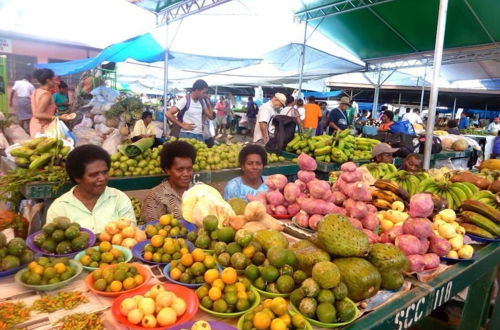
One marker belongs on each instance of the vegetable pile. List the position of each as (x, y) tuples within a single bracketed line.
[(39, 152)]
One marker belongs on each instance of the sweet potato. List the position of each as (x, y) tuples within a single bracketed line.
[(306, 176), (306, 162), (357, 210), (261, 197), (370, 221), (274, 197), (409, 244), (314, 220), (276, 181), (338, 198), (421, 205), (371, 208), (372, 237), (439, 246), (280, 210), (356, 223), (316, 206), (419, 227), (293, 209), (351, 177), (348, 167), (424, 245), (302, 185), (431, 261), (416, 263), (302, 219), (359, 192), (319, 189), (395, 232), (384, 238), (291, 192)]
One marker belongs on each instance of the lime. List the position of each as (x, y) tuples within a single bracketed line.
[(242, 305), (285, 284), (207, 302), (230, 298), (270, 273), (252, 272), (326, 313), (100, 284), (220, 306), (259, 283), (327, 296)]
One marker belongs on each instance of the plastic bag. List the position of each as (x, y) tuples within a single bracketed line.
[(112, 142), (16, 134), (86, 135), (105, 94), (86, 122), (99, 119), (244, 120), (103, 129), (3, 141), (58, 129)]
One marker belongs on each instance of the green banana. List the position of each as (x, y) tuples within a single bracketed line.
[(475, 230), (481, 221), (425, 184)]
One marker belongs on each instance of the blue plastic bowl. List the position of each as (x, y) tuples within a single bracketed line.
[(166, 272)]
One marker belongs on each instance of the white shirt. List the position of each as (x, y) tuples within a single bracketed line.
[(292, 112), (413, 118), (493, 128), (192, 115), (266, 111), (141, 129), (23, 88)]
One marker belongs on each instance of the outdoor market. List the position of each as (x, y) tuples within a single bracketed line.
[(204, 174)]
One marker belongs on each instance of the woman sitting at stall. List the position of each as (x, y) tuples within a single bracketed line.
[(144, 128), (252, 159), (387, 121), (176, 160), (91, 203)]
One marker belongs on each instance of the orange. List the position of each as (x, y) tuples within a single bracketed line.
[(32, 265), (240, 287), (261, 320), (139, 279), (115, 252), (162, 232), (211, 275), (165, 219), (175, 273), (218, 283), (39, 269), (286, 317), (267, 303), (148, 256), (229, 275), (214, 293), (116, 286), (278, 324), (60, 267), (157, 241), (187, 260), (105, 246), (279, 306), (242, 295), (198, 254), (184, 251), (249, 251), (129, 283)]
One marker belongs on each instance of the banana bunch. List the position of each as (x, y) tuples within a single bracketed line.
[(379, 170), (490, 175), (389, 195), (440, 133), (480, 219), (455, 193), (39, 152), (408, 181), (488, 198), (445, 225)]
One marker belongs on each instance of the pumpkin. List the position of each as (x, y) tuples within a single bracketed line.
[(460, 145)]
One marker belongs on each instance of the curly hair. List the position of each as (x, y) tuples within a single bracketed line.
[(180, 149), (252, 149), (81, 156)]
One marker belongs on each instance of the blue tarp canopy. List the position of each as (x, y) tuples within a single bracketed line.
[(322, 95), (145, 48)]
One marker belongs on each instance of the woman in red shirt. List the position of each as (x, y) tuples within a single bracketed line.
[(387, 121)]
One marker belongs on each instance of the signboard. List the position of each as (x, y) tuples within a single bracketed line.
[(5, 45)]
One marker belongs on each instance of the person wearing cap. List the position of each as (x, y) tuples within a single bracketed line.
[(313, 114), (387, 121), (337, 119), (382, 153), (266, 112)]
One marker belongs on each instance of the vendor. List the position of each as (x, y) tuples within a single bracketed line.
[(91, 203), (176, 159), (382, 153), (61, 99), (144, 128), (252, 159), (387, 121), (413, 163), (494, 126), (452, 127)]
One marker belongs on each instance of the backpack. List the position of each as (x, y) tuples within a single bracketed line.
[(404, 127), (175, 130), (436, 145), (284, 131), (404, 142)]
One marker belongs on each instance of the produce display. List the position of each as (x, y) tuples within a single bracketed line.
[(224, 292), (162, 249), (14, 253), (472, 131), (480, 219), (40, 152), (273, 314), (238, 252), (61, 237), (116, 278), (136, 204), (12, 314), (192, 266), (81, 321), (45, 271), (327, 148), (167, 226), (207, 237), (447, 229), (61, 300), (102, 255), (122, 232), (453, 192), (146, 163), (380, 170), (158, 307)]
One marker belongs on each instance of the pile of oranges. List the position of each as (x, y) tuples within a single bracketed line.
[(273, 314), (115, 278), (165, 249), (192, 267)]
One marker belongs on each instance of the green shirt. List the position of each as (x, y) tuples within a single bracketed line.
[(60, 98), (111, 205)]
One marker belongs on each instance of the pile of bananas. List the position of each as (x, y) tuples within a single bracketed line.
[(488, 198), (480, 219), (440, 133), (408, 181), (490, 175), (380, 170), (454, 193), (471, 131), (389, 196), (39, 152), (340, 148)]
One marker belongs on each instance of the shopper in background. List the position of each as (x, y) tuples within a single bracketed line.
[(382, 153), (230, 101), (301, 110), (290, 109), (494, 126), (413, 163), (252, 111), (323, 122), (396, 114), (414, 117), (452, 127), (266, 112), (464, 122), (495, 153), (364, 115), (220, 106), (144, 128), (190, 123), (337, 119), (61, 99), (23, 89), (405, 116), (383, 109), (387, 121), (313, 113)]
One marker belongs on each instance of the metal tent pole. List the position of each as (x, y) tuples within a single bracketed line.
[(438, 55), (375, 96), (454, 107), (302, 60), (165, 83), (423, 90)]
